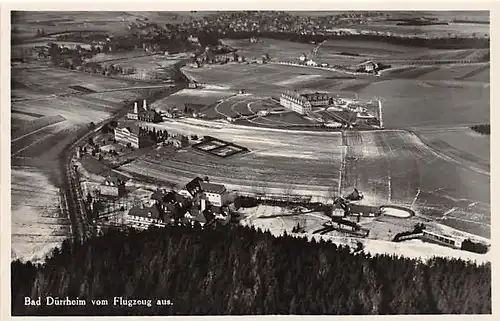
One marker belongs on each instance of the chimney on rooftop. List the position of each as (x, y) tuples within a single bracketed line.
[(144, 105), (135, 108)]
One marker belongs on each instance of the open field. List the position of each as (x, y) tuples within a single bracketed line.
[(277, 49), (348, 52), (27, 22), (57, 80), (142, 63), (192, 96), (471, 72), (288, 50), (441, 96), (410, 103), (460, 143), (436, 97), (104, 21), (57, 113), (37, 225), (453, 29), (269, 79), (390, 167)]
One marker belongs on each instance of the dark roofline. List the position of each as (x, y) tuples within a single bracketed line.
[(213, 188)]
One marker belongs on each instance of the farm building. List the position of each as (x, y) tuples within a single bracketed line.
[(226, 57), (210, 57), (113, 186), (135, 136), (311, 63), (367, 66), (144, 114), (303, 103)]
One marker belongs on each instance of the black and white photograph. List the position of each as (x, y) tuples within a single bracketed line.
[(249, 162)]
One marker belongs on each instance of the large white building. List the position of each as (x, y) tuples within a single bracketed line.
[(303, 103), (215, 194), (133, 135)]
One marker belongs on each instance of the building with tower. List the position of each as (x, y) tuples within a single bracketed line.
[(144, 114)]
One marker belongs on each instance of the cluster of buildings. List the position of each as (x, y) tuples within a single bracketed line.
[(210, 56), (144, 114), (352, 113), (364, 67), (200, 201), (132, 135), (278, 21)]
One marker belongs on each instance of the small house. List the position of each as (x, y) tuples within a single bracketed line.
[(113, 186)]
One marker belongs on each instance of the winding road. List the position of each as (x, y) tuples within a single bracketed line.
[(70, 178)]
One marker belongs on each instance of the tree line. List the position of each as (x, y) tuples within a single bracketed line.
[(431, 43), (482, 129), (234, 270)]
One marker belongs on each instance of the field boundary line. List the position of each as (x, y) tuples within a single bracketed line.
[(35, 131), (415, 198)]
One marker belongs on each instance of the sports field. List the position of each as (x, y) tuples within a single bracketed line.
[(412, 96)]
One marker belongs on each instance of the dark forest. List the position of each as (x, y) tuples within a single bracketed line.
[(242, 271)]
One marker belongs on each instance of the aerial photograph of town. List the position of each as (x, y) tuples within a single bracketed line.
[(250, 163)]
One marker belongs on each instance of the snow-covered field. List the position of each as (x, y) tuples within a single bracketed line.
[(297, 79), (37, 225), (277, 220), (390, 167)]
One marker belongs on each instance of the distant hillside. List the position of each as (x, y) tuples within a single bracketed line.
[(236, 270)]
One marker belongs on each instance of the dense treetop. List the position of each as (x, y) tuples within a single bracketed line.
[(237, 270)]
